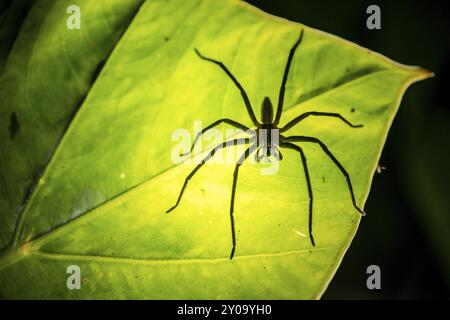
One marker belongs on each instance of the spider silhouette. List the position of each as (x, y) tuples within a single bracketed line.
[(266, 139)]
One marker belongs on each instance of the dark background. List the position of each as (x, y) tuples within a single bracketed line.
[(407, 229)]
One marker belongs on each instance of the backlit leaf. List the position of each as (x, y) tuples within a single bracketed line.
[(86, 167)]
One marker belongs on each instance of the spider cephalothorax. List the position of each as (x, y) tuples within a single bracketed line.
[(266, 139)]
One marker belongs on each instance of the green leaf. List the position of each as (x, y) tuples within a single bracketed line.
[(87, 181)]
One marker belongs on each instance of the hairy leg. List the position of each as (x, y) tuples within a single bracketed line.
[(238, 85), (308, 183), (241, 160), (332, 157), (212, 125), (209, 156), (285, 76), (305, 115)]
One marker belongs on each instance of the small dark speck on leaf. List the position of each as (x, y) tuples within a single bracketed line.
[(13, 125), (352, 110), (347, 70), (166, 39), (323, 179)]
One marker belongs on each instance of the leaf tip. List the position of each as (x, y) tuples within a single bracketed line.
[(422, 73)]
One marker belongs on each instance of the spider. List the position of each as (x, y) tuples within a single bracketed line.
[(268, 144)]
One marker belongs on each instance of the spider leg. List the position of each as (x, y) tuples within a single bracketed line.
[(308, 182), (225, 120), (209, 156), (241, 160), (280, 155), (285, 76), (333, 158), (238, 85), (303, 116)]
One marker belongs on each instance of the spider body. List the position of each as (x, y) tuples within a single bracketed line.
[(267, 113), (267, 134), (266, 139)]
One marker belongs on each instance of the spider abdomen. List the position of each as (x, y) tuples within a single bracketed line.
[(267, 111)]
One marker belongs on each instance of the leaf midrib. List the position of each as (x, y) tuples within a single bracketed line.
[(31, 252)]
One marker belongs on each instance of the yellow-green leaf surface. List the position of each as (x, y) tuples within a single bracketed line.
[(86, 172)]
